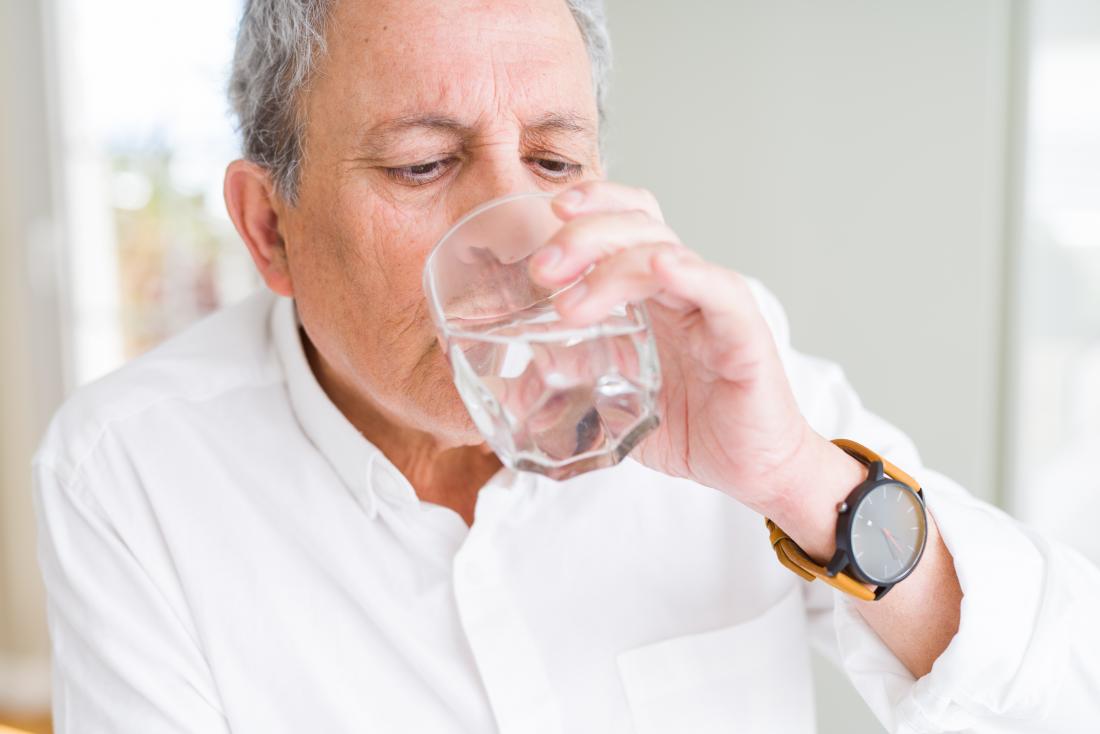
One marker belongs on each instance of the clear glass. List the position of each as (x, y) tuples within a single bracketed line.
[(547, 398)]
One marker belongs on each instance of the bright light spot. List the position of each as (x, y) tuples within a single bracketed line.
[(131, 190), (1076, 228)]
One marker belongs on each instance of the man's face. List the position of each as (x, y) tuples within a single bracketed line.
[(420, 111)]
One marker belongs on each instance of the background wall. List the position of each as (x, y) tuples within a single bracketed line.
[(852, 155)]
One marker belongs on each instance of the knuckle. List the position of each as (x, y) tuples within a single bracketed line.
[(596, 280), (739, 282), (566, 238), (589, 187), (672, 238), (650, 200), (592, 184), (673, 248)]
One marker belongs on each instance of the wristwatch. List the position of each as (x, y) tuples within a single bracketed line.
[(881, 531)]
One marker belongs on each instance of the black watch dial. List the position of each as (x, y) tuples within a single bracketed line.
[(888, 532)]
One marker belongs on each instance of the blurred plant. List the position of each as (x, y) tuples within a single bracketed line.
[(171, 250)]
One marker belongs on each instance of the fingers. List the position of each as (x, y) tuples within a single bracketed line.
[(670, 274), (615, 236), (605, 196), (722, 295), (627, 276), (592, 237)]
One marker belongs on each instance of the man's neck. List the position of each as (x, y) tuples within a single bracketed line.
[(441, 474)]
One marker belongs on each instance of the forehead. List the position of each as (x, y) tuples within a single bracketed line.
[(464, 59)]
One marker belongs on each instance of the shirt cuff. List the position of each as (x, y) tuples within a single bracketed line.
[(1001, 662)]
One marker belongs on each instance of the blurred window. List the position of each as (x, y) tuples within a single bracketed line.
[(147, 134), (1054, 455)]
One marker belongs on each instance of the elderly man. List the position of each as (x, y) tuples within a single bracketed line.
[(284, 520)]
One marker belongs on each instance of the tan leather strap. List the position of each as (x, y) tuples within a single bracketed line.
[(9, 730), (791, 556), (867, 456), (794, 558)]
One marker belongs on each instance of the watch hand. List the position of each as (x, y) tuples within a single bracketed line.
[(892, 539), (891, 543)]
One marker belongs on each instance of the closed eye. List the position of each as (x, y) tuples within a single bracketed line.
[(554, 168), (420, 173)]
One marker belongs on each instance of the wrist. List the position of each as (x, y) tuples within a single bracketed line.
[(821, 477)]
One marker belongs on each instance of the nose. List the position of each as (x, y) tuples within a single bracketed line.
[(503, 173)]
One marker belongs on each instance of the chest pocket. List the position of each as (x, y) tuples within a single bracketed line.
[(750, 677)]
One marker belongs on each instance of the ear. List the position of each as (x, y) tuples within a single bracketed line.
[(254, 206)]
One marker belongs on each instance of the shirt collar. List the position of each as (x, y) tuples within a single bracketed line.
[(363, 467)]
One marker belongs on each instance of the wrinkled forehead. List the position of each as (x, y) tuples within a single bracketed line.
[(469, 61)]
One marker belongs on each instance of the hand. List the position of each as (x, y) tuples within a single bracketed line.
[(728, 417)]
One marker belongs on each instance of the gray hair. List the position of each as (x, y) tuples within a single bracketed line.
[(278, 44)]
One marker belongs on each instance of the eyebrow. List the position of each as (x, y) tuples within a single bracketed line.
[(552, 123), (403, 123), (382, 135), (561, 122)]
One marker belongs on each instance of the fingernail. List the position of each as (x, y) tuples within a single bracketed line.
[(571, 198), (547, 258), (573, 296)]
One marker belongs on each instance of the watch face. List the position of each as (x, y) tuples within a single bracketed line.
[(888, 532)]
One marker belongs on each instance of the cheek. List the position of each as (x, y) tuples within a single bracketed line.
[(392, 246), (387, 331), (361, 291), (397, 237), (366, 253)]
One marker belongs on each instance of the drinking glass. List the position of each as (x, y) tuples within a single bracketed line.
[(546, 396)]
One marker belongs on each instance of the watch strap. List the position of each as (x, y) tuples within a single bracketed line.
[(794, 558), (866, 456)]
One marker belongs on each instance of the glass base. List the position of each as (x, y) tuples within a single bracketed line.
[(591, 462)]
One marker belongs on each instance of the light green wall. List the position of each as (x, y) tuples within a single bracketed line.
[(852, 155)]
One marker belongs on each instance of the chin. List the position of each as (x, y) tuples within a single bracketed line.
[(438, 410), (457, 429)]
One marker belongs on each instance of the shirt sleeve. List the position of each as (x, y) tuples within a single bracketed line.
[(125, 661), (1026, 657)]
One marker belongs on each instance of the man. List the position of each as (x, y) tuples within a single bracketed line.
[(284, 519)]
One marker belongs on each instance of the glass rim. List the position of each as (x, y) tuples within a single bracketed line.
[(634, 313), (435, 307)]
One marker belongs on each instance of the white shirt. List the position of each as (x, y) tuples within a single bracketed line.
[(224, 552)]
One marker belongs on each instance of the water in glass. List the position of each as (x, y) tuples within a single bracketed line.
[(556, 400)]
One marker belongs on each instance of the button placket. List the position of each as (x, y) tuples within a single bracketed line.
[(507, 658)]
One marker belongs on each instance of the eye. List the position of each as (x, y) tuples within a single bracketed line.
[(420, 173), (555, 168)]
